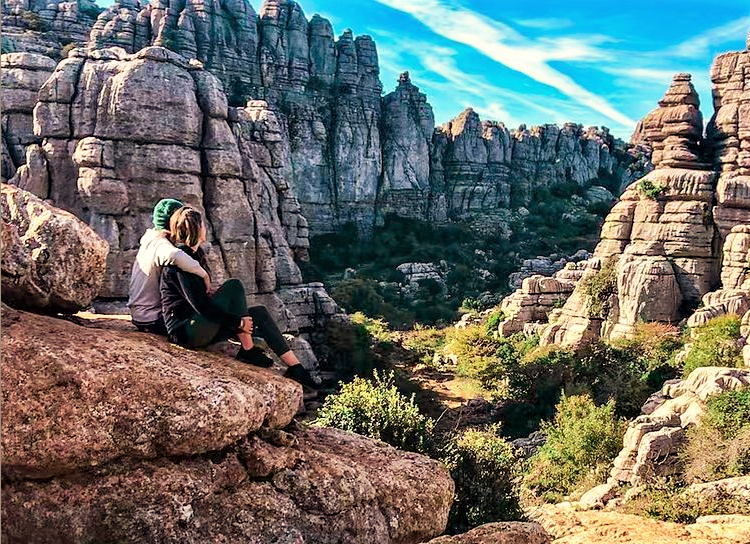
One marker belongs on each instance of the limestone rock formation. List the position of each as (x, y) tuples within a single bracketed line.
[(651, 441), (51, 260), (661, 237), (120, 435), (355, 157), (46, 27), (21, 77), (567, 524), (405, 187), (537, 297), (109, 159)]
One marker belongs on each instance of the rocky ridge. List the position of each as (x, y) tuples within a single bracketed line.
[(678, 233), (106, 158), (354, 156)]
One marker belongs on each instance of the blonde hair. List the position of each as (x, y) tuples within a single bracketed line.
[(185, 226)]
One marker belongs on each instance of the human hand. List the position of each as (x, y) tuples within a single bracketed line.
[(209, 289), (247, 324)]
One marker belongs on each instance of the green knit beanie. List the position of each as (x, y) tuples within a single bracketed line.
[(163, 212)]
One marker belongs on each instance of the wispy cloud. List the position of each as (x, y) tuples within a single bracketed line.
[(548, 23), (647, 76), (490, 101), (504, 45), (700, 44)]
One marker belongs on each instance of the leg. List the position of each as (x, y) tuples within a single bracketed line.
[(265, 326), (200, 332)]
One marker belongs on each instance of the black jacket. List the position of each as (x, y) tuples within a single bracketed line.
[(183, 296)]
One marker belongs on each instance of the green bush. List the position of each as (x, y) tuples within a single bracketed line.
[(376, 328), (649, 189), (719, 447), (484, 467), (493, 320), (583, 438), (716, 343), (90, 10), (7, 45), (599, 287), (376, 409)]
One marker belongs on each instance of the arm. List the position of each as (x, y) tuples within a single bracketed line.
[(167, 254), (195, 293)]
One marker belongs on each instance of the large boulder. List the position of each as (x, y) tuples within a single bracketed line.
[(51, 260), (112, 435)]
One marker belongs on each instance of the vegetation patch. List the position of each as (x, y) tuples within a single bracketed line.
[(484, 467), (599, 287), (650, 190), (720, 446), (376, 409), (583, 439), (716, 343)]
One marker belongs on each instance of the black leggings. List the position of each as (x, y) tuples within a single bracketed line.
[(200, 332)]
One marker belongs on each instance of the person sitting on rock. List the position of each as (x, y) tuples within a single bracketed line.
[(154, 252), (195, 318)]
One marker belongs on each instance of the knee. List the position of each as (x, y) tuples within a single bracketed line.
[(260, 312)]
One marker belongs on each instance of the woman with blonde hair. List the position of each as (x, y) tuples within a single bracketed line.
[(196, 319)]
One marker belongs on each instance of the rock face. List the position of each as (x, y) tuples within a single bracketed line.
[(355, 157), (116, 435), (665, 234), (51, 260), (21, 77), (45, 27), (651, 441), (109, 159)]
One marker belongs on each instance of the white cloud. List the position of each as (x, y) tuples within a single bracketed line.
[(506, 46), (549, 23), (699, 45)]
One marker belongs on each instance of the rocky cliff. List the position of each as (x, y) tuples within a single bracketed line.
[(46, 27), (105, 156), (661, 245), (355, 157)]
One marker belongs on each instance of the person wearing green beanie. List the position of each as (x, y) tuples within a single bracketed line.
[(155, 251)]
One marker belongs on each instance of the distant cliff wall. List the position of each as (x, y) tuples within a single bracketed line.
[(356, 156)]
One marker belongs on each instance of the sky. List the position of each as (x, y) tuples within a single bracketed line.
[(535, 62)]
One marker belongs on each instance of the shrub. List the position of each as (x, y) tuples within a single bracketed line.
[(599, 287), (426, 341), (720, 446), (376, 328), (7, 45), (583, 438), (716, 343), (376, 409), (484, 467), (67, 49), (649, 189), (90, 10), (493, 320)]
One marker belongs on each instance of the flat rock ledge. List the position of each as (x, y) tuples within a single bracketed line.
[(116, 436)]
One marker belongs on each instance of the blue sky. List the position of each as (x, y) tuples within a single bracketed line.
[(540, 61)]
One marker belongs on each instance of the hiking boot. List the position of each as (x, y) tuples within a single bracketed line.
[(299, 374), (255, 356)]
